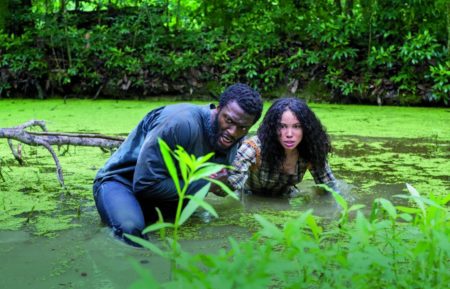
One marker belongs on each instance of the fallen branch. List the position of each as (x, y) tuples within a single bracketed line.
[(47, 139)]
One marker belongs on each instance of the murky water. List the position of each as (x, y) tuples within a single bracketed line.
[(87, 256)]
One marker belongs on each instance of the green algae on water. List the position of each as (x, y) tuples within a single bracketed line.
[(376, 150)]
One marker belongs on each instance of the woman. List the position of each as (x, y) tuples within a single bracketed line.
[(289, 141)]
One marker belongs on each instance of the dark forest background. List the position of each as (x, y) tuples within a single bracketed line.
[(343, 51)]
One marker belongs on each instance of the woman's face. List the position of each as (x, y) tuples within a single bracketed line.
[(290, 133)]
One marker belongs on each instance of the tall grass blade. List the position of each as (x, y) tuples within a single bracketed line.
[(201, 203), (206, 171), (224, 188), (146, 244), (192, 205), (156, 227), (268, 228), (165, 152), (388, 207)]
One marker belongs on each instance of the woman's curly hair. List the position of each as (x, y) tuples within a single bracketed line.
[(315, 145)]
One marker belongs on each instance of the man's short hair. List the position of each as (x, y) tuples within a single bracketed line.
[(247, 98)]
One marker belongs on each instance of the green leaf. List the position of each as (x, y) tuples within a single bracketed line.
[(315, 229), (388, 207), (406, 217), (268, 229), (408, 209), (205, 158), (146, 244), (192, 206), (157, 226), (162, 232), (416, 197), (201, 203), (373, 211), (183, 157), (184, 170), (206, 171), (224, 187), (445, 200), (339, 199), (362, 224), (356, 207), (235, 248), (165, 151)]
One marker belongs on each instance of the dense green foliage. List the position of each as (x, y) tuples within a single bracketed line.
[(342, 51), (394, 247)]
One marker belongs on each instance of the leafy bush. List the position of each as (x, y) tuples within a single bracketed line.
[(441, 78), (365, 51)]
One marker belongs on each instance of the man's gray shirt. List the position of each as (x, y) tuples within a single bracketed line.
[(138, 161)]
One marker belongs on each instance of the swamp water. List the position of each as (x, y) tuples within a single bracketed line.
[(52, 237)]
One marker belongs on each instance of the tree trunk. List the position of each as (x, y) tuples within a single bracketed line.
[(18, 19), (337, 4), (47, 139), (349, 7), (448, 28), (62, 6), (4, 13)]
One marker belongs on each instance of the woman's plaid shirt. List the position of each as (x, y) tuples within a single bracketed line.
[(250, 174)]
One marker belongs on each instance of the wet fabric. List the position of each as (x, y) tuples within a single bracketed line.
[(251, 174), (135, 179)]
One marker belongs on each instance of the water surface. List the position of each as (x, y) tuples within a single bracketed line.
[(51, 237)]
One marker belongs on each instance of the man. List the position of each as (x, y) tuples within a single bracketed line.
[(135, 180)]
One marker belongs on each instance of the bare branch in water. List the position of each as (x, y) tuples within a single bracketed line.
[(47, 139)]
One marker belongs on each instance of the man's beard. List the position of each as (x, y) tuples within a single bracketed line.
[(215, 135)]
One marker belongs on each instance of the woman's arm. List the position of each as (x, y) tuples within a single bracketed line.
[(324, 175), (245, 158)]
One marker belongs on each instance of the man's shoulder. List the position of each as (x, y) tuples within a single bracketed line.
[(186, 118), (185, 112), (188, 107)]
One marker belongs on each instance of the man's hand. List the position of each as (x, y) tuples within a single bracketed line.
[(222, 176)]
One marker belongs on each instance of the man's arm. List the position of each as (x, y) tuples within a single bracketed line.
[(151, 178)]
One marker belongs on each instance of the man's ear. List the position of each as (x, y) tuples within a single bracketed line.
[(218, 110)]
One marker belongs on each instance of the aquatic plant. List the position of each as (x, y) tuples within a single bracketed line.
[(185, 171), (395, 247)]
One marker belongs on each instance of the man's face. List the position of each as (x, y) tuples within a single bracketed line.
[(232, 123)]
